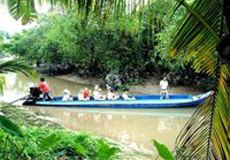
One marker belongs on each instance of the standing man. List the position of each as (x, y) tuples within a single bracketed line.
[(164, 88), (45, 89)]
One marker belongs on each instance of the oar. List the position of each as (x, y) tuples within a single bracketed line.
[(22, 98)]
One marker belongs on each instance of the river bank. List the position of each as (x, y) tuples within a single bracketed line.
[(150, 86), (26, 119)]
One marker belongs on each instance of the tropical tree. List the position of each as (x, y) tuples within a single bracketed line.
[(62, 41), (14, 66), (99, 11), (3, 44), (206, 135)]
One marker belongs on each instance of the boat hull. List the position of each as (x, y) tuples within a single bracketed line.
[(142, 101)]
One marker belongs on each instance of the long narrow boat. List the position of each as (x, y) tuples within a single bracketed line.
[(142, 101)]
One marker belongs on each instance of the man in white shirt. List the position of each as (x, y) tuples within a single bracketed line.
[(164, 88), (67, 96), (126, 97)]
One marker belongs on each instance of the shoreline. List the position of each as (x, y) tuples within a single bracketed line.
[(149, 87)]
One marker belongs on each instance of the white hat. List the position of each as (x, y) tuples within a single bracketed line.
[(66, 91)]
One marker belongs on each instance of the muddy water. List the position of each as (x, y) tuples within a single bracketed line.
[(132, 127)]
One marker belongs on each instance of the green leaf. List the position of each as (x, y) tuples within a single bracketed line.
[(163, 151), (24, 9), (49, 141), (9, 127), (80, 149), (59, 154), (2, 82), (25, 18), (105, 151)]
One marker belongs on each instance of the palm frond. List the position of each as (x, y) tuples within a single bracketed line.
[(24, 9), (221, 128), (208, 125), (192, 141), (2, 82), (206, 135), (199, 28), (15, 66)]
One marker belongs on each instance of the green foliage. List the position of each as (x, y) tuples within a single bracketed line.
[(80, 149), (4, 36), (65, 41), (43, 143), (9, 127), (106, 151), (2, 82), (90, 49), (163, 151), (17, 66), (22, 9), (49, 141), (67, 44)]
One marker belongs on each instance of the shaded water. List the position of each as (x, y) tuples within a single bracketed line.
[(133, 127)]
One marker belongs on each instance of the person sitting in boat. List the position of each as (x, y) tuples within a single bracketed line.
[(164, 88), (109, 87), (111, 95), (126, 97), (86, 94), (97, 93), (67, 95), (43, 86), (81, 95)]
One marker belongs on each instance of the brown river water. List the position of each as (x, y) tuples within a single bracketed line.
[(134, 128)]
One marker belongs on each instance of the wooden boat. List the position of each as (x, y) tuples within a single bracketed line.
[(142, 101)]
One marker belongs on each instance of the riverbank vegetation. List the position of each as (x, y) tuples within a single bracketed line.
[(4, 37), (129, 50), (44, 143)]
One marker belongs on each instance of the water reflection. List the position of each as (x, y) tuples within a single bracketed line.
[(123, 125), (16, 87)]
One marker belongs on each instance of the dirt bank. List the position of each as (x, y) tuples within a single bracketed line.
[(150, 86), (76, 79)]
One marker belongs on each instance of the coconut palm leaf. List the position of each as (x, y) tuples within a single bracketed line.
[(194, 35), (24, 9), (2, 81), (14, 66), (206, 135)]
